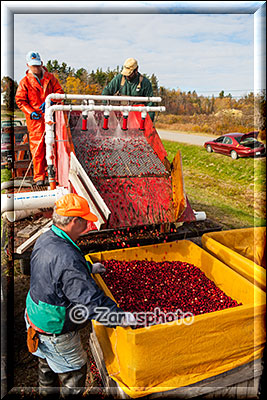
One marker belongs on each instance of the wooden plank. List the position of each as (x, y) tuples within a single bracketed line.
[(229, 392), (28, 231), (219, 385), (111, 387), (252, 388), (28, 243), (236, 392), (22, 163), (44, 221), (209, 396), (97, 354), (22, 147), (241, 382)]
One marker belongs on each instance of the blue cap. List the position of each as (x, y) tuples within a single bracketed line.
[(33, 58)]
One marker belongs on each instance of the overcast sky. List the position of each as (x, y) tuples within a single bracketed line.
[(184, 47)]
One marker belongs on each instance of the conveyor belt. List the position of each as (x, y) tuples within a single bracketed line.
[(107, 155), (127, 170)]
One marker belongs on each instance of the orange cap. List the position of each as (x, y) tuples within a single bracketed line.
[(72, 205)]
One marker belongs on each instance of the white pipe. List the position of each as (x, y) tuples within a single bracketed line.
[(13, 216), (60, 96), (49, 141), (90, 102), (15, 183), (49, 136), (49, 110), (143, 114), (31, 200), (200, 215), (91, 107)]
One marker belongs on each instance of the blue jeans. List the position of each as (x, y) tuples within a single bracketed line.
[(63, 353)]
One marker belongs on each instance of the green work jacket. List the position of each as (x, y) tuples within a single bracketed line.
[(130, 89)]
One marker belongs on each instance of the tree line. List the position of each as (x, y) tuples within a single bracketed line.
[(177, 102)]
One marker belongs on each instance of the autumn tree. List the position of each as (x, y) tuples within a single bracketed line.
[(99, 77), (176, 102), (154, 82), (82, 74), (77, 86), (260, 113), (9, 88), (62, 71)]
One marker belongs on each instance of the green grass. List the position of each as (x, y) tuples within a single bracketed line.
[(5, 175), (231, 192)]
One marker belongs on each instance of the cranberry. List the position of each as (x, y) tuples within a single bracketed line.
[(143, 286)]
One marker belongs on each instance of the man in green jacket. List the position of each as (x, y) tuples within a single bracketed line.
[(130, 83)]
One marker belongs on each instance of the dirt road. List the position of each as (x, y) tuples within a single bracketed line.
[(188, 138)]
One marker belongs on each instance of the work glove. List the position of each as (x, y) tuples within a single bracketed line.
[(128, 319), (42, 107), (98, 268), (35, 115)]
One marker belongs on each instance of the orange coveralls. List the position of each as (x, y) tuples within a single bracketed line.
[(29, 97)]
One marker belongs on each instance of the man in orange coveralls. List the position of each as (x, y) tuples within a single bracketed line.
[(30, 98)]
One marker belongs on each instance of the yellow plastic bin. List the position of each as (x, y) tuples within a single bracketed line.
[(244, 250), (167, 356)]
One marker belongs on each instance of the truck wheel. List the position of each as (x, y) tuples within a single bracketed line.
[(209, 149), (25, 268), (234, 155)]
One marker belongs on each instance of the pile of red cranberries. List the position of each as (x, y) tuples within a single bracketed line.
[(143, 286)]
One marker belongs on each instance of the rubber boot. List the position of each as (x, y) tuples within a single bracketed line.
[(73, 382), (48, 379)]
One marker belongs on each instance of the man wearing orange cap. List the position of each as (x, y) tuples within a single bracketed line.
[(130, 83), (63, 298)]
